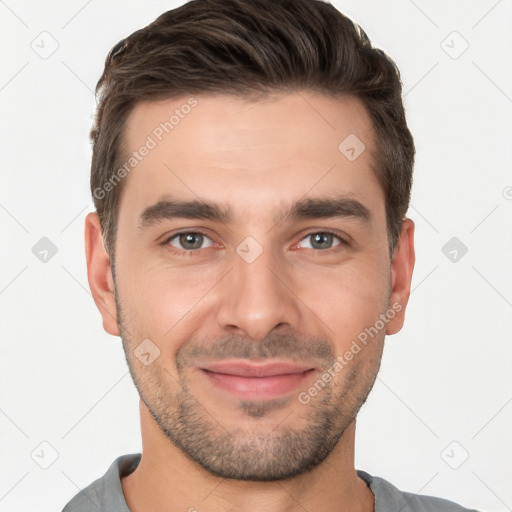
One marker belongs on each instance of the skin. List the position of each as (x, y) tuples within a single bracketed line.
[(295, 301)]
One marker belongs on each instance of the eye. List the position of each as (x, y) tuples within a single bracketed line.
[(322, 240), (188, 241)]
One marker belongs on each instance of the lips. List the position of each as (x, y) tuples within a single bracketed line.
[(246, 369), (256, 380)]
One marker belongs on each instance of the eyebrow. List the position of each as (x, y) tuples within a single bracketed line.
[(304, 209)]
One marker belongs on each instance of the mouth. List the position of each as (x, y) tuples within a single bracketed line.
[(253, 381)]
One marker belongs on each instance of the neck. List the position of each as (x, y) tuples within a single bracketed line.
[(166, 479)]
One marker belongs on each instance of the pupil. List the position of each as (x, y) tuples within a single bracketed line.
[(322, 236), (188, 238), (321, 239)]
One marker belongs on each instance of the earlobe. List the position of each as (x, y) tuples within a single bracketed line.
[(402, 266), (99, 274)]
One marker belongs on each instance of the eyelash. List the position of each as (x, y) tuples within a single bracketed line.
[(190, 252)]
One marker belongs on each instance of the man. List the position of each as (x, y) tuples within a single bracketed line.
[(251, 173)]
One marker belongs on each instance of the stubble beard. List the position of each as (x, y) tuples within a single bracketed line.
[(251, 452)]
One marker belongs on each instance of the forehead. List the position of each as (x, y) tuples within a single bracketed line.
[(250, 154)]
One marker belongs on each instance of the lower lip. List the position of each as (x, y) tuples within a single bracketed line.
[(257, 387)]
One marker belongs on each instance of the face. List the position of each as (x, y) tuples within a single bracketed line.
[(253, 283)]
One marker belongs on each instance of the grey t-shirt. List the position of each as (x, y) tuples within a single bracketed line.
[(106, 493)]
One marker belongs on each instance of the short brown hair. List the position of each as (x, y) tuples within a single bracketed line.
[(250, 48)]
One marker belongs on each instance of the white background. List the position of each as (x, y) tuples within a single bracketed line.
[(444, 378)]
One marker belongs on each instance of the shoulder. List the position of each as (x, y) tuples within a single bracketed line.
[(106, 492), (388, 497)]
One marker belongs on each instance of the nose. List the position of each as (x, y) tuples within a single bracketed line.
[(258, 298)]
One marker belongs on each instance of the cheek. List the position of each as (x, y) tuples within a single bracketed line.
[(163, 304), (168, 304), (347, 300)]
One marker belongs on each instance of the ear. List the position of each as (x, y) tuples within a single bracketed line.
[(99, 274), (402, 266)]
